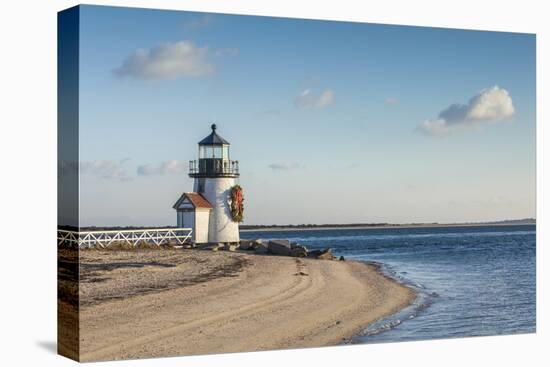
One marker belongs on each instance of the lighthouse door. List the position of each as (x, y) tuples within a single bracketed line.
[(188, 219)]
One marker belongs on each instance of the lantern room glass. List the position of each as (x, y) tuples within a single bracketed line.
[(225, 152), (214, 151)]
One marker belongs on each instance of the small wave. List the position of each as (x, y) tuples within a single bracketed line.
[(384, 327), (424, 299)]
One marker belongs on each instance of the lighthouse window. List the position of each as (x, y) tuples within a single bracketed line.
[(217, 152), (208, 152), (225, 152), (213, 151), (202, 152)]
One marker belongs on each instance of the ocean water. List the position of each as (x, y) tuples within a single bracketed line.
[(471, 281)]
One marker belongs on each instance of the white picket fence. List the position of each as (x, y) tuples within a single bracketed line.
[(103, 239)]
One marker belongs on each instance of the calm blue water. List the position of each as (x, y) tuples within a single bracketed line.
[(471, 281)]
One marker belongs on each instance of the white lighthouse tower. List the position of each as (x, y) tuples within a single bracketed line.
[(208, 208)]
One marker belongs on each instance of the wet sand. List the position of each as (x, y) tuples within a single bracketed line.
[(151, 303)]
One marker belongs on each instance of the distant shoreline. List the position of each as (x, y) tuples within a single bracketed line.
[(316, 227), (388, 226)]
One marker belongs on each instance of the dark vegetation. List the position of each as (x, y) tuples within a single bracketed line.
[(327, 225)]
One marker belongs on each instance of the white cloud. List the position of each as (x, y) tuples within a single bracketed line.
[(106, 169), (489, 106), (167, 61), (492, 104), (438, 127), (164, 168), (285, 166), (310, 99)]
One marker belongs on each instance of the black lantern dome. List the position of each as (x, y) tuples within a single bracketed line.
[(214, 159), (213, 138)]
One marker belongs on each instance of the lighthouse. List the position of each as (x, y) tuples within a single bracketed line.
[(214, 209)]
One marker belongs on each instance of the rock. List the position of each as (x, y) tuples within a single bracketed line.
[(285, 243), (250, 245), (261, 249), (214, 246), (341, 258), (279, 247), (258, 243), (299, 251), (326, 255), (302, 273), (230, 247), (246, 245), (314, 253)]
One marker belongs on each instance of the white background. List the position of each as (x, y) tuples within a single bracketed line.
[(28, 181)]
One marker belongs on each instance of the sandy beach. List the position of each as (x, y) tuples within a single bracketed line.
[(148, 303)]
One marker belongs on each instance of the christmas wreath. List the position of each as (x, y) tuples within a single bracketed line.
[(237, 207)]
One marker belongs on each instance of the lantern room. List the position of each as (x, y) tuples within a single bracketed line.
[(214, 159)]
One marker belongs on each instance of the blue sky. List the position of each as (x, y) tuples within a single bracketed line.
[(332, 122)]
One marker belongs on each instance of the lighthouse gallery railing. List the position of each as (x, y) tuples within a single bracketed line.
[(103, 239), (214, 166)]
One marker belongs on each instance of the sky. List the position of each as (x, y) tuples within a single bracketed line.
[(332, 122)]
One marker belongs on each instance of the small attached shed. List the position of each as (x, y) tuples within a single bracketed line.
[(193, 211)]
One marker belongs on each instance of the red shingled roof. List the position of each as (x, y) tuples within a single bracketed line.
[(198, 200)]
